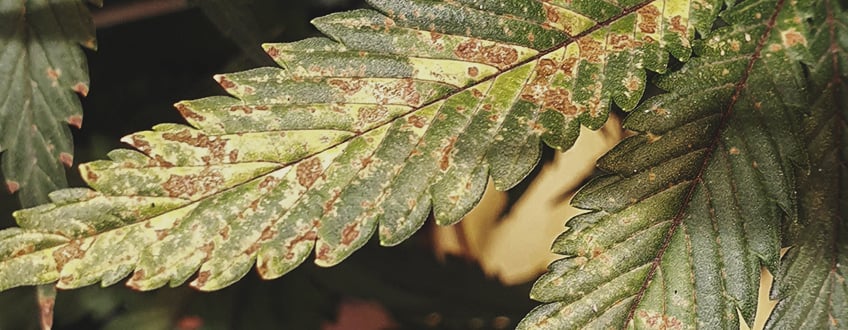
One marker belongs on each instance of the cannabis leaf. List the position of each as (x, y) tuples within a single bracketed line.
[(42, 66), (811, 281), (693, 204), (405, 111)]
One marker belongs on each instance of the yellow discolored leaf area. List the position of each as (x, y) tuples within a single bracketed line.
[(403, 111)]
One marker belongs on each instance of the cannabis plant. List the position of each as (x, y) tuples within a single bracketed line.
[(406, 111)]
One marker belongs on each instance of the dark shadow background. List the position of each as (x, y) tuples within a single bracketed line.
[(144, 66)]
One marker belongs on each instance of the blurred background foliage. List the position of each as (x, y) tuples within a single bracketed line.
[(153, 53)]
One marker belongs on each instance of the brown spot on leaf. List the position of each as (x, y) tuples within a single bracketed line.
[(444, 162), (308, 236), (187, 113), (496, 55), (659, 320), (309, 171), (368, 115), (225, 233), (161, 161), (622, 41), (546, 68), (477, 93), (234, 156), (214, 145), (734, 151), (417, 121), (323, 253), (269, 181), (188, 186), (81, 88), (72, 250), (473, 71), (243, 108), (408, 92), (735, 45), (138, 275), (677, 25), (559, 99), (224, 82), (75, 121), (551, 14), (632, 83), (22, 250), (12, 186), (792, 38), (273, 52), (435, 36), (161, 234), (91, 176), (590, 49), (53, 74), (202, 278), (350, 233), (648, 15), (567, 66), (349, 87), (66, 159), (207, 249), (139, 142)]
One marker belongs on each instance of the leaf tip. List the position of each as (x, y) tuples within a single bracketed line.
[(223, 81), (13, 186), (75, 121), (66, 159), (81, 88)]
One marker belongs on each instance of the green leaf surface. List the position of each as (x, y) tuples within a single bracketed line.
[(692, 205), (811, 281), (401, 111), (41, 68)]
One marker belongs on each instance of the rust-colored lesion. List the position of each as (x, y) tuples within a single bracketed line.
[(188, 186), (66, 159), (445, 160), (677, 26), (309, 171), (417, 121), (216, 146), (81, 88), (619, 42), (660, 321), (648, 15), (350, 233), (75, 121), (540, 91), (71, 251), (224, 82), (591, 49), (792, 38), (188, 113), (371, 114), (348, 87), (139, 143), (496, 55), (202, 278)]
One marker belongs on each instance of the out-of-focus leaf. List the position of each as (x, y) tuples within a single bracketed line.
[(41, 66), (811, 282)]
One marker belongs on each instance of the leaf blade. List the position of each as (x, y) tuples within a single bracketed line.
[(366, 133)]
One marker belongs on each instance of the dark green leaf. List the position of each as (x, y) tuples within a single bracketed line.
[(692, 205)]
